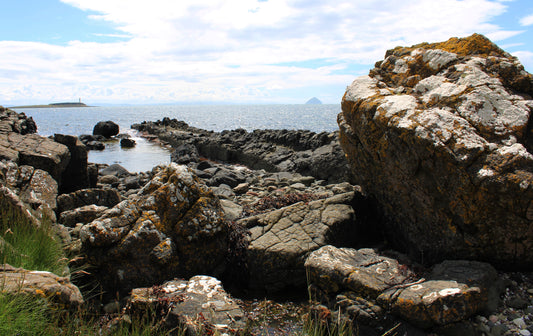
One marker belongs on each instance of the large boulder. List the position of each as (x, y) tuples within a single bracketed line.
[(106, 129), (440, 135), (173, 227)]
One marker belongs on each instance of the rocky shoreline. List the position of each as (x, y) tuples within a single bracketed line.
[(368, 237)]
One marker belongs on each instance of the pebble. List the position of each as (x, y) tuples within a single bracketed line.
[(525, 332), (519, 322)]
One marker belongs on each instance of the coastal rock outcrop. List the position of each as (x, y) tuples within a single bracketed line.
[(440, 135), (304, 152), (19, 144), (172, 227), (76, 174)]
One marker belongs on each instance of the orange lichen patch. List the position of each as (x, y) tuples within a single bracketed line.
[(473, 45)]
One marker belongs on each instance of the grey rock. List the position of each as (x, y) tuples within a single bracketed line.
[(281, 239), (106, 129), (115, 169), (77, 199), (440, 157), (200, 304)]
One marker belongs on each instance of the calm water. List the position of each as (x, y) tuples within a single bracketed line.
[(146, 155)]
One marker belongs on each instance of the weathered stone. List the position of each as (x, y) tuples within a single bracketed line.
[(200, 304), (232, 210), (363, 271), (434, 302), (173, 227), (106, 128), (43, 284), (448, 157), (364, 278), (32, 192), (77, 199), (84, 214), (473, 274), (282, 239)]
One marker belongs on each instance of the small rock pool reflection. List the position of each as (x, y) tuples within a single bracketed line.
[(143, 157)]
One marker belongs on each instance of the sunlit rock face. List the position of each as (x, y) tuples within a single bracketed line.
[(441, 136)]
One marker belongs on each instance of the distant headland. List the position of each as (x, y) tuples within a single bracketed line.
[(55, 105)]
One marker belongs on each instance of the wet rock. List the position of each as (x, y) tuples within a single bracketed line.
[(106, 129), (127, 143), (448, 158), (173, 227), (200, 304), (115, 169), (41, 284), (281, 239)]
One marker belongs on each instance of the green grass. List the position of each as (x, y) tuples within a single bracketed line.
[(22, 244)]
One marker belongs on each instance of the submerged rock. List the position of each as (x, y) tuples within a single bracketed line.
[(440, 135)]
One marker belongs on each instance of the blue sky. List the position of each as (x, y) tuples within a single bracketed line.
[(238, 51)]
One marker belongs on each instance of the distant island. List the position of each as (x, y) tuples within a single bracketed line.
[(66, 104), (314, 101)]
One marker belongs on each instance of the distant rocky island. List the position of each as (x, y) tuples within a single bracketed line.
[(65, 104), (314, 101)]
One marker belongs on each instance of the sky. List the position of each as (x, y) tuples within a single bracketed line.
[(227, 51)]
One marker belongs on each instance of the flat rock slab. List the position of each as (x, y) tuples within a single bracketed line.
[(200, 304), (282, 239), (44, 284), (362, 271)]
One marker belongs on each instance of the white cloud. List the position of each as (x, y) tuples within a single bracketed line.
[(228, 49), (527, 20)]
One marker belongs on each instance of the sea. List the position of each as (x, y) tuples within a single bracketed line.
[(145, 155)]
